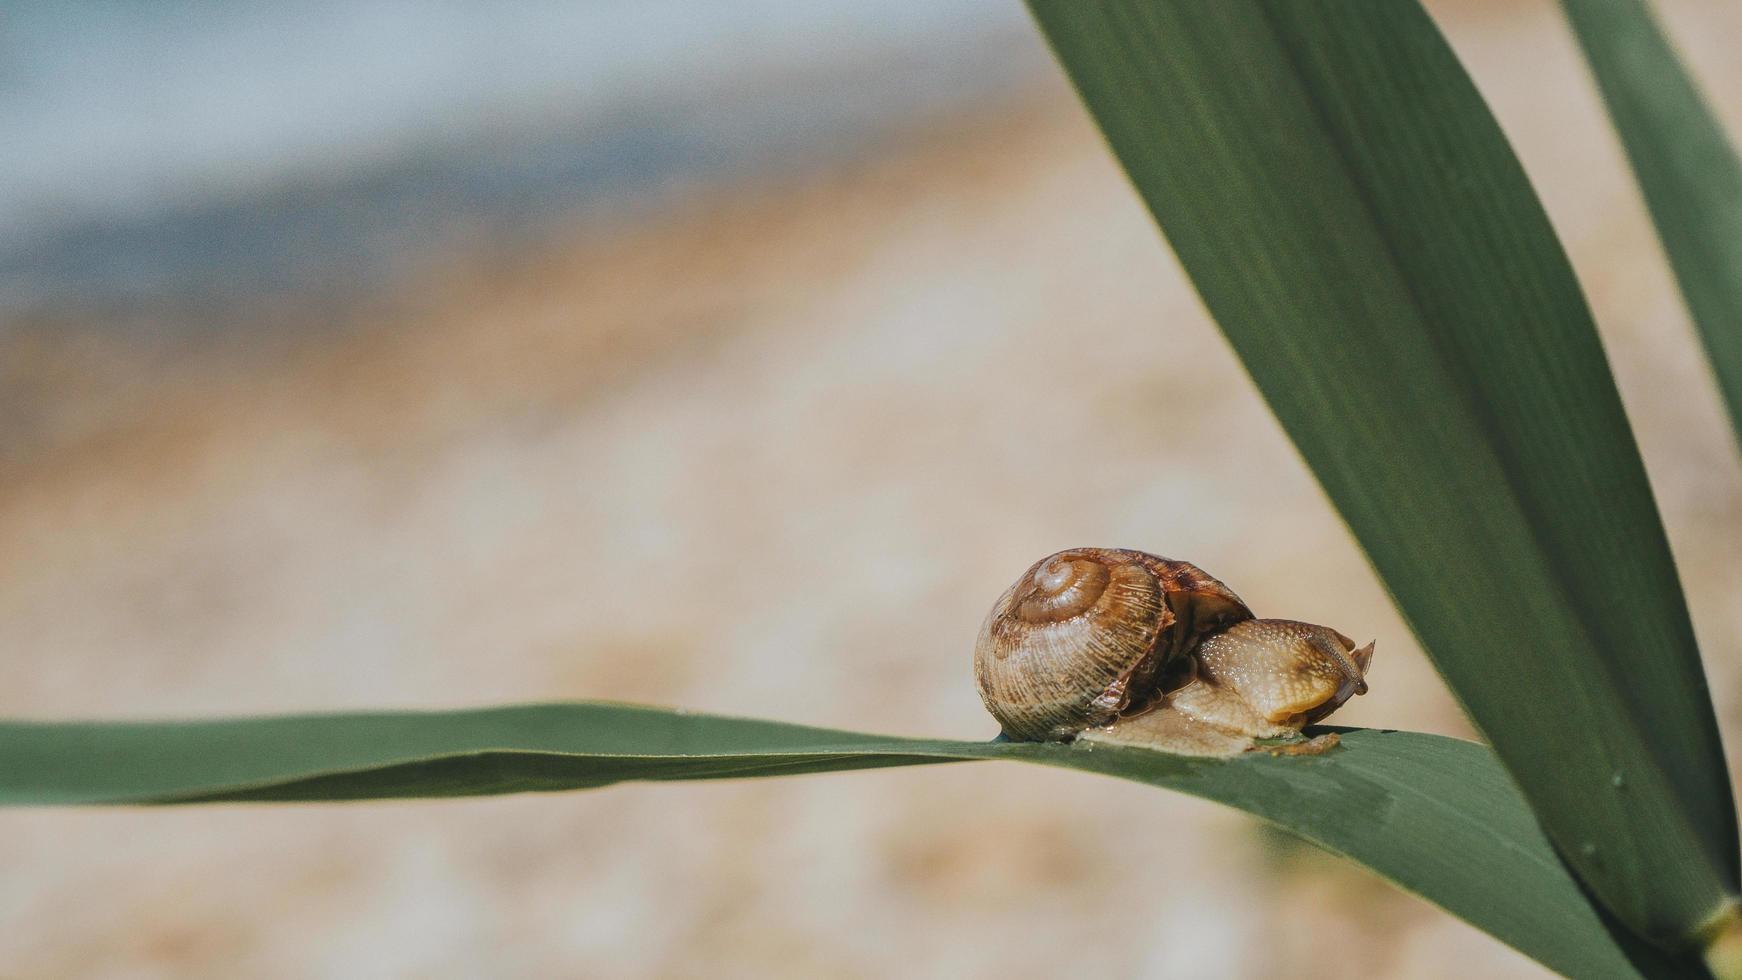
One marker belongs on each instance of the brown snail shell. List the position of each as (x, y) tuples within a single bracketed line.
[(1090, 634)]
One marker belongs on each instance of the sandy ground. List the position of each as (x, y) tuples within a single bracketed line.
[(770, 454)]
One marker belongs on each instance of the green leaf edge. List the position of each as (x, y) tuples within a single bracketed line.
[(1686, 168), (1423, 811)]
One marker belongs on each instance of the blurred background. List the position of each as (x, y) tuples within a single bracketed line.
[(731, 356)]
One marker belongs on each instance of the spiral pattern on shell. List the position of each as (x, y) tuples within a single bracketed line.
[(1085, 634)]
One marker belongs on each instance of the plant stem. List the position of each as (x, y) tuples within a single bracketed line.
[(1723, 943)]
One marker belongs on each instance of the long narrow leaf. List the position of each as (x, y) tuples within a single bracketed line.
[(1435, 815), (1689, 172), (1353, 218)]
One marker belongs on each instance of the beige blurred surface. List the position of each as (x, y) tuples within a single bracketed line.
[(772, 453)]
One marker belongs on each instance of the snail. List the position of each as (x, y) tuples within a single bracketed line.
[(1120, 646)]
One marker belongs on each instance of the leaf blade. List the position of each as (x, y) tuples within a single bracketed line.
[(1351, 215), (1435, 815), (1687, 169)]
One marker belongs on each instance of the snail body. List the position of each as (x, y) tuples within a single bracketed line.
[(1125, 646)]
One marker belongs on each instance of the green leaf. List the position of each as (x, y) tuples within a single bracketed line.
[(1435, 815), (1350, 213), (1689, 172)]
